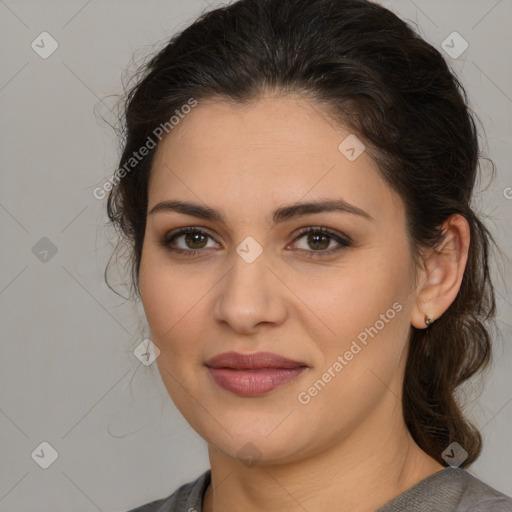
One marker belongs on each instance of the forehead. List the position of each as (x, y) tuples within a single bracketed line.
[(271, 151)]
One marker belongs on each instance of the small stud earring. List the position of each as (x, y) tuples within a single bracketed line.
[(428, 320)]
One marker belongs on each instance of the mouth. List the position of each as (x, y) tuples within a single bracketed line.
[(253, 374)]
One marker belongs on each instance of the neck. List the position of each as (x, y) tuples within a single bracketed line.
[(363, 472)]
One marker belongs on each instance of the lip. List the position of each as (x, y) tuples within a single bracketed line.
[(253, 374), (255, 361)]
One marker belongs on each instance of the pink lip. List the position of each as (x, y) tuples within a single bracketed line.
[(253, 374)]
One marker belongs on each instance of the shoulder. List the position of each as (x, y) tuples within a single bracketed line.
[(187, 498), (480, 497), (450, 490)]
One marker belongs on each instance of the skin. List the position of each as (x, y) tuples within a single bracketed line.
[(348, 448)]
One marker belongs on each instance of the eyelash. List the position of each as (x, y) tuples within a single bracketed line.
[(344, 241)]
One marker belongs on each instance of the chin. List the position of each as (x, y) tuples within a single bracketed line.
[(264, 441)]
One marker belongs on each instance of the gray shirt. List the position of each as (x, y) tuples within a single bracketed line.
[(450, 490)]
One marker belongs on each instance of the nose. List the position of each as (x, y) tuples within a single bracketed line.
[(249, 295)]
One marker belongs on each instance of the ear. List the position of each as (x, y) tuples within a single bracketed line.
[(441, 276)]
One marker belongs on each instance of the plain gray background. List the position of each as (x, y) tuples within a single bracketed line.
[(68, 374)]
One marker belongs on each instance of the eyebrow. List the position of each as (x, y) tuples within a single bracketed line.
[(280, 215)]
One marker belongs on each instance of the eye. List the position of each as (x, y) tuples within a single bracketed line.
[(194, 240), (319, 240)]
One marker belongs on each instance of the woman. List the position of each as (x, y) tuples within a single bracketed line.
[(295, 187)]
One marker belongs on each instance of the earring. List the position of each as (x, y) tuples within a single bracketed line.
[(428, 320)]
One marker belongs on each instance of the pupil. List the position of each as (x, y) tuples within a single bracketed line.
[(313, 238), (192, 238)]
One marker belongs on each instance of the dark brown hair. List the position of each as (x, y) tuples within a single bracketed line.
[(376, 76)]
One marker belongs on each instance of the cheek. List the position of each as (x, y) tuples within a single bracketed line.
[(174, 303), (355, 296), (163, 296), (366, 307), (173, 313)]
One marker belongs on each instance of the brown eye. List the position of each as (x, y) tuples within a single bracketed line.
[(191, 240), (195, 240), (319, 241)]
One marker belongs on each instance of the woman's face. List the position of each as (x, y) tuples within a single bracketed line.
[(257, 284)]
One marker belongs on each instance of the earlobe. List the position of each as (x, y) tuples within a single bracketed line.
[(429, 320), (442, 273)]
